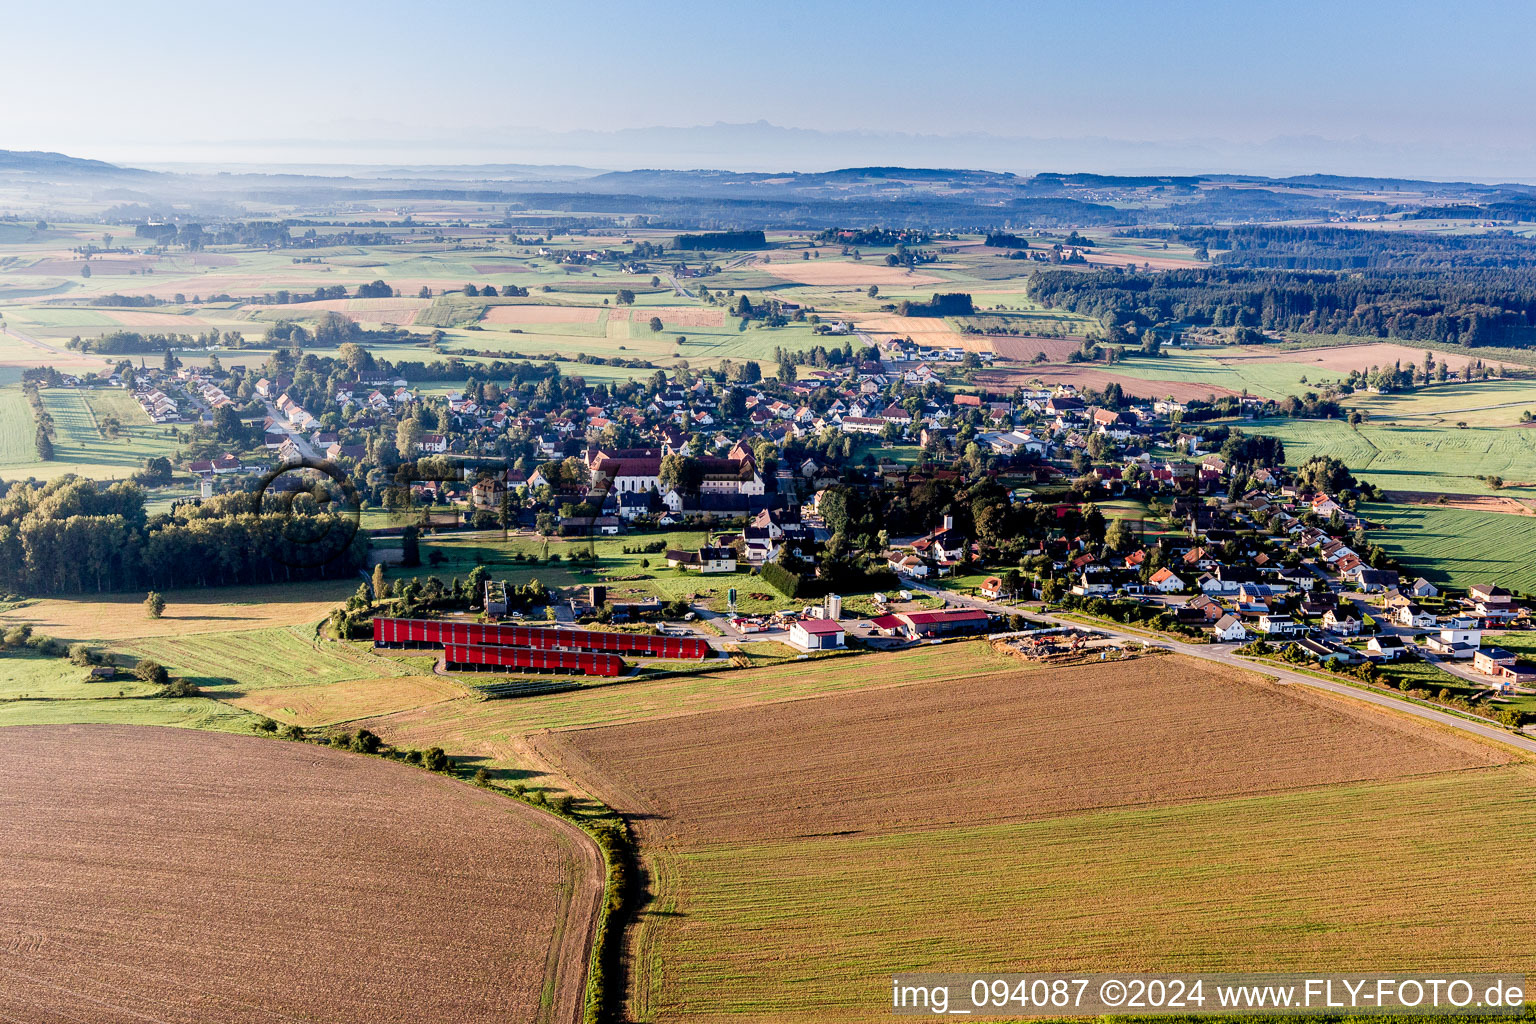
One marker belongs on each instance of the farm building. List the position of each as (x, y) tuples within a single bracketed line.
[(950, 621), (434, 632), (816, 634)]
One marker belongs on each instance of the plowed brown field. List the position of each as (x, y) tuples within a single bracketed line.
[(1007, 747), (175, 876)]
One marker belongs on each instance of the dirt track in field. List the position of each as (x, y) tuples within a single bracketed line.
[(176, 876), (1006, 747)]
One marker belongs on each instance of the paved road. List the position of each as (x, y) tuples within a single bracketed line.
[(677, 287), (22, 336), (305, 448), (1222, 654)]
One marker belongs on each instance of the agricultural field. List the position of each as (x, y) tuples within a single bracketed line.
[(18, 428), (234, 663), (796, 871), (1404, 457), (113, 617), (493, 925), (1458, 547)]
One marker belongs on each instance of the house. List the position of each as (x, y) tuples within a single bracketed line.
[(1490, 661), (1373, 581), (1460, 644), (816, 634), (1342, 620), (1278, 625), (1164, 581), (1413, 616), (1490, 595), (1325, 652), (1229, 629), (435, 444), (992, 588), (1421, 587), (705, 560), (904, 564), (1387, 648)]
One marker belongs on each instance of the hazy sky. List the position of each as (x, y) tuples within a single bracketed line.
[(450, 82)]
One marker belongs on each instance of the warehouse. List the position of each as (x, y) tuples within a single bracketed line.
[(816, 634), (922, 625)]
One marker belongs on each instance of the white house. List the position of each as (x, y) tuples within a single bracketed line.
[(1165, 581), (1278, 625), (1342, 621), (1229, 628)]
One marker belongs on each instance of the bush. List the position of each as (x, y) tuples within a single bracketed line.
[(80, 654), (435, 760), (365, 742), (781, 579), (565, 804), (181, 688), (292, 732), (264, 724), (154, 604), (17, 636), (482, 777)]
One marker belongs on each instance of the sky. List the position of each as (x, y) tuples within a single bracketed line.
[(1409, 85)]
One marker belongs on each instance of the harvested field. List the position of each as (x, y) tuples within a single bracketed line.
[(541, 315), (344, 701), (679, 316), (500, 268), (925, 330), (1468, 502), (1123, 259), (181, 876), (121, 616), (1372, 876), (1024, 349), (396, 310), (1086, 376), (1009, 746), (863, 272), (1344, 358), (105, 265), (156, 321)]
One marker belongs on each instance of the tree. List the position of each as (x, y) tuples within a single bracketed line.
[(656, 325), (1119, 535), (44, 444), (85, 271), (410, 548), (874, 291), (154, 604), (380, 583), (407, 434), (624, 297), (151, 671)]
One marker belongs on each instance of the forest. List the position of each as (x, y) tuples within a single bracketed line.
[(73, 536), (1470, 307)]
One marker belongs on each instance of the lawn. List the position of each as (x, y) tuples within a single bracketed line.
[(37, 677), (1456, 547)]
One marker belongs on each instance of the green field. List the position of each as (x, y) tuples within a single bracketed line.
[(81, 444), (38, 677), (18, 428), (1437, 459), (1458, 547)]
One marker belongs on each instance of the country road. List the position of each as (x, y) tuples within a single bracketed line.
[(1222, 655)]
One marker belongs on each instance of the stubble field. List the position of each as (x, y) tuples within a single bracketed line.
[(179, 876)]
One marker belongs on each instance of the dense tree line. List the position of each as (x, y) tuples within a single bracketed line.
[(1329, 248), (1466, 307), (722, 240), (72, 536), (948, 304)]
